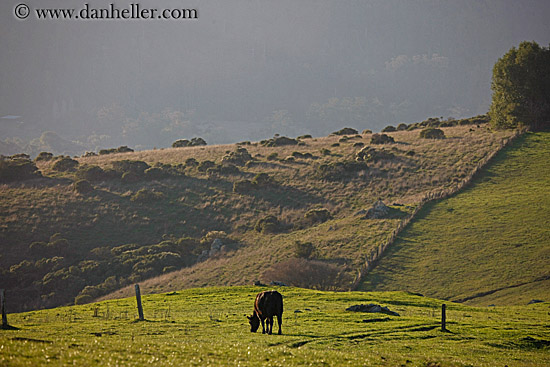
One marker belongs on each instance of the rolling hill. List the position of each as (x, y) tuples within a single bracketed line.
[(488, 244), (292, 210)]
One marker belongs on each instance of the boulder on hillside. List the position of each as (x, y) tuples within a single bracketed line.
[(377, 211)]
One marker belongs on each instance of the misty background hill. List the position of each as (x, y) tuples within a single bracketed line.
[(245, 70)]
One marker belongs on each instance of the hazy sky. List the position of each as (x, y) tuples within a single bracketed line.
[(247, 69)]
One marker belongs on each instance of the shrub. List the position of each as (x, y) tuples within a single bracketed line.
[(91, 173), (17, 169), (402, 127), (239, 157), (335, 145), (125, 166), (279, 141), (243, 186), (191, 162), (304, 250), (262, 179), (145, 196), (345, 131), (381, 139), (205, 165), (335, 171), (155, 173), (268, 224), (358, 144), (188, 143), (370, 154), (83, 187), (389, 129), (307, 136), (273, 156), (43, 156), (306, 155), (317, 215), (366, 131), (325, 151), (432, 133), (65, 164), (121, 149)]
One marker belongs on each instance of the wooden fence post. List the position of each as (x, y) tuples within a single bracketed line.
[(138, 299), (3, 307), (443, 317)]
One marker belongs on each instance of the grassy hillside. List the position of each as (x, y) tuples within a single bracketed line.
[(153, 212), (489, 244), (208, 327)]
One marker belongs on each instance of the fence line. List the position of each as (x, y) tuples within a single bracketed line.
[(375, 254)]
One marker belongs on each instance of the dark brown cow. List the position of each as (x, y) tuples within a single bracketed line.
[(267, 305)]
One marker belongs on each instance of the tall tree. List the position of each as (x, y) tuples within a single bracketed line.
[(521, 88)]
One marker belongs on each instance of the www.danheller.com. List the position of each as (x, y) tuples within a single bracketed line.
[(133, 11)]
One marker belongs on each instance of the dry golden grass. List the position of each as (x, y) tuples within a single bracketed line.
[(198, 202)]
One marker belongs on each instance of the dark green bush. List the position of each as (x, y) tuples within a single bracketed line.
[(43, 156), (239, 157), (366, 131), (307, 136), (345, 131), (65, 164), (146, 196), (262, 179), (126, 166), (389, 129), (279, 141), (268, 224), (432, 133), (205, 165), (188, 143), (371, 154), (402, 126), (156, 173), (317, 216), (18, 169), (243, 186), (273, 156), (191, 162), (342, 170), (83, 186), (91, 173), (121, 149), (325, 151), (304, 250), (381, 139)]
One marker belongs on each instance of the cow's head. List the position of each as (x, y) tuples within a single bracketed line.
[(254, 322)]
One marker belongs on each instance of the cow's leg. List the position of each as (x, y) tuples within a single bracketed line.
[(270, 325), (263, 327), (280, 322)]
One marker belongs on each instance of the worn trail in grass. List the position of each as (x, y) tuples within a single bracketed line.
[(488, 244), (207, 327)]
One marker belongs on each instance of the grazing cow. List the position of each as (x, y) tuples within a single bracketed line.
[(267, 305)]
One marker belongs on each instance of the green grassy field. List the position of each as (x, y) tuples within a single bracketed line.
[(489, 244), (207, 327)]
